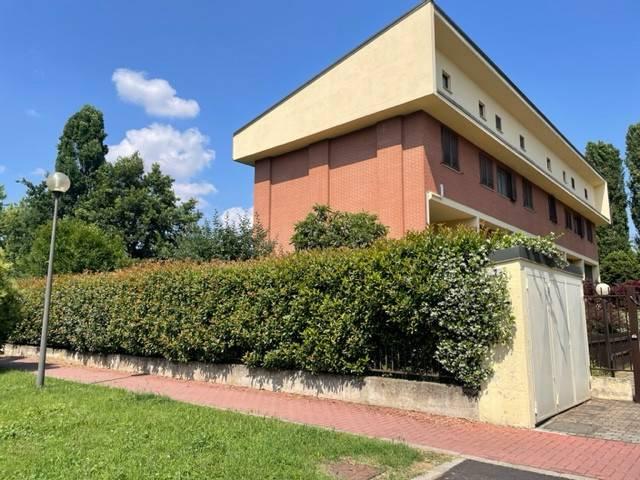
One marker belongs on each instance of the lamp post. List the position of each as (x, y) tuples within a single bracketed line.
[(57, 183)]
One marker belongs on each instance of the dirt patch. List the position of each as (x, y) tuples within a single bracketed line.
[(349, 470)]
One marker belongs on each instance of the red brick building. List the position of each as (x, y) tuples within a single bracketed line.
[(418, 126)]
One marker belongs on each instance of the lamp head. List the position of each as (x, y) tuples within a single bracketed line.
[(603, 289), (58, 182)]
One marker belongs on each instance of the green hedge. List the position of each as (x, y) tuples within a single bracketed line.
[(431, 295)]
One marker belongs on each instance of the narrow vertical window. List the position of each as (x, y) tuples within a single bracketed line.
[(553, 213), (568, 219), (549, 164), (450, 148), (564, 177), (589, 231), (482, 110), (486, 170), (578, 226), (586, 194), (498, 123), (522, 144), (446, 81), (527, 194), (573, 183), (506, 183)]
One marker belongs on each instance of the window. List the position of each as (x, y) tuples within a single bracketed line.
[(589, 231), (522, 144), (450, 148), (506, 183), (527, 194), (588, 273), (498, 123), (586, 194), (548, 164), (553, 213), (568, 219), (564, 177), (482, 110), (578, 225), (573, 183), (446, 81), (486, 170)]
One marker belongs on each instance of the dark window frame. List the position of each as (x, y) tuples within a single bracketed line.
[(568, 218), (450, 150), (586, 194), (573, 183), (506, 183), (482, 110), (498, 123), (446, 81), (527, 194), (549, 165), (589, 228), (487, 175), (523, 145), (553, 209), (578, 224)]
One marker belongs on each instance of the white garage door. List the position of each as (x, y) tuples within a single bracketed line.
[(558, 341)]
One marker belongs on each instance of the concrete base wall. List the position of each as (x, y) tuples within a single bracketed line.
[(612, 388), (429, 397)]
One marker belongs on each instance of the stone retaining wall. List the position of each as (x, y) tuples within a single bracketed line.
[(429, 397)]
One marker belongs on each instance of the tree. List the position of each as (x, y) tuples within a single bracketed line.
[(19, 222), (605, 158), (141, 207), (324, 228), (80, 247), (619, 266), (222, 239), (81, 152), (9, 300), (632, 159)]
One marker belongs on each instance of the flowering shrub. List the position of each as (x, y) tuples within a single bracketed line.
[(431, 293), (542, 245)]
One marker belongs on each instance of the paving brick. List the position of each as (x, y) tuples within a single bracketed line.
[(592, 457)]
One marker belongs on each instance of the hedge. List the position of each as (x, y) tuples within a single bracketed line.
[(430, 294)]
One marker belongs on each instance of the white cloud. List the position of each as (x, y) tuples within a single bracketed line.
[(179, 154), (233, 215), (32, 112), (2, 168), (195, 190), (39, 172), (156, 95)]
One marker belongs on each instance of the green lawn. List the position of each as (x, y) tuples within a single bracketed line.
[(74, 431)]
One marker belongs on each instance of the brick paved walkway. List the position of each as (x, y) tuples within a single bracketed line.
[(608, 419), (591, 457)]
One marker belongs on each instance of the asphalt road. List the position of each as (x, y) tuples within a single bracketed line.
[(472, 470)]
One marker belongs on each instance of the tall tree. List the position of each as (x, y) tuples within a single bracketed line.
[(81, 152), (632, 159), (605, 158), (141, 207)]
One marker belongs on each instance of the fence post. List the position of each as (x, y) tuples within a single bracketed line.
[(632, 309)]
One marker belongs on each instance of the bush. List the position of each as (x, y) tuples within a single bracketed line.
[(80, 247), (324, 228), (221, 239), (9, 300), (620, 266), (430, 296)]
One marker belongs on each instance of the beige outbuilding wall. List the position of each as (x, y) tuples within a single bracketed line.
[(508, 398)]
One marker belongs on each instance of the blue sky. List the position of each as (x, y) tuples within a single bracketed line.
[(219, 64)]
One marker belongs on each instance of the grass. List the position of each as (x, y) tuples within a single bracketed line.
[(73, 431)]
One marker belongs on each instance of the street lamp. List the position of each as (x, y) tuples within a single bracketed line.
[(603, 289), (57, 183)]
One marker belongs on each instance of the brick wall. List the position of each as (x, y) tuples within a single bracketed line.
[(387, 169)]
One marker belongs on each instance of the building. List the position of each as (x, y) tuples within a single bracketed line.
[(419, 126)]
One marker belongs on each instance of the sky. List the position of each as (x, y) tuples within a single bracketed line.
[(176, 79)]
